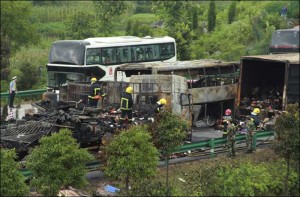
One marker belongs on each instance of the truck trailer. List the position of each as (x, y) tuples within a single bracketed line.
[(272, 79)]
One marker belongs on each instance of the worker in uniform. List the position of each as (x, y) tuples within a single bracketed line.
[(126, 105), (95, 93), (12, 91), (226, 118), (255, 117), (159, 105), (250, 126), (156, 109), (231, 132)]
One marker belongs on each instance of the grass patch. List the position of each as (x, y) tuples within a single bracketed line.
[(145, 18)]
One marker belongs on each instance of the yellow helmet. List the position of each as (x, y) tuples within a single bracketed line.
[(163, 101), (129, 90), (93, 79), (256, 110)]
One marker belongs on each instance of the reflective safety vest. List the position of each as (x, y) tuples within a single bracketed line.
[(126, 101), (95, 91)]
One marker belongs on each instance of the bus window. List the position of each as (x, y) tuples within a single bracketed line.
[(201, 82), (227, 75), (166, 51), (106, 56), (140, 53), (125, 55), (211, 75), (133, 54), (156, 55), (93, 56), (118, 55), (113, 54), (148, 52)]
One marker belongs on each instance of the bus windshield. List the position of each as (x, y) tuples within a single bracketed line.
[(68, 52), (285, 38), (285, 41)]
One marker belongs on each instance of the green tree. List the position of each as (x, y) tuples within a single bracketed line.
[(195, 18), (12, 180), (183, 36), (27, 71), (168, 132), (58, 162), (129, 28), (16, 30), (141, 30), (135, 29), (5, 53), (82, 25), (293, 10), (228, 43), (211, 17), (231, 12), (131, 155), (177, 23), (287, 141), (107, 11)]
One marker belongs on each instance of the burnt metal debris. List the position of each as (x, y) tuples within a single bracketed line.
[(88, 124), (23, 136)]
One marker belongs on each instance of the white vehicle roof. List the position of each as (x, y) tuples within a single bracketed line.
[(125, 40)]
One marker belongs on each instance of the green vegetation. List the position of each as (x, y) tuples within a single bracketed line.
[(287, 140), (168, 132), (231, 12), (57, 162), (12, 181), (131, 156), (258, 174), (211, 17)]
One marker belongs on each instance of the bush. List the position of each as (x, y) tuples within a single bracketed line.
[(12, 180), (127, 160), (58, 162)]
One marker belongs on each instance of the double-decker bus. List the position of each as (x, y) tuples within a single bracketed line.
[(79, 60)]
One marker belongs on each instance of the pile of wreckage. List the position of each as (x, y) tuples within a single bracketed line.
[(88, 124)]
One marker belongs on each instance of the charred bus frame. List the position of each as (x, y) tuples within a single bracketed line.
[(213, 84)]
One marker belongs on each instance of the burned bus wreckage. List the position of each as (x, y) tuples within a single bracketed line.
[(199, 91), (92, 126)]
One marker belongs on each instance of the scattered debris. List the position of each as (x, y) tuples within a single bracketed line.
[(107, 190), (182, 180)]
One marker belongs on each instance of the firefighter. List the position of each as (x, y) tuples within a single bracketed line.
[(226, 118), (250, 126), (126, 105), (95, 92), (255, 117), (159, 105), (231, 132)]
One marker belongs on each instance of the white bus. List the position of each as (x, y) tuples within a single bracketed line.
[(79, 60)]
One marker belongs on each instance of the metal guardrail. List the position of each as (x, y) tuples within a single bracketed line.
[(221, 141), (94, 165), (24, 93), (90, 166)]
